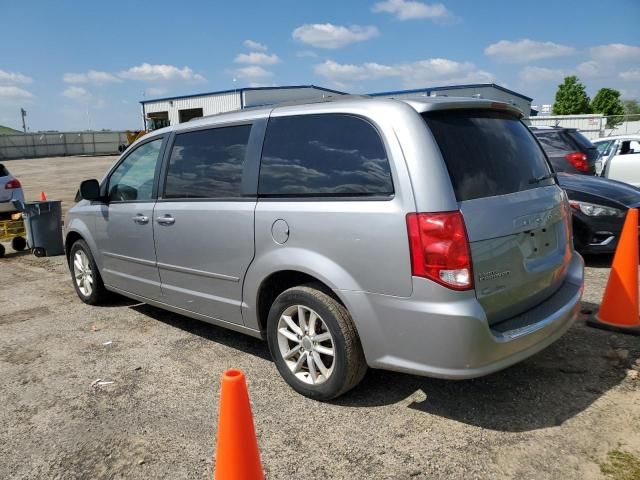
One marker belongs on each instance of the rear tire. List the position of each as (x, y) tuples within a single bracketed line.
[(18, 244), (39, 252), (85, 275), (314, 343)]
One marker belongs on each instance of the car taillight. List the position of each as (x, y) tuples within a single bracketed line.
[(578, 160), (440, 248), (14, 183)]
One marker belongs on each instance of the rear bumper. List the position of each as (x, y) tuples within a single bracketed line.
[(7, 205), (451, 338)]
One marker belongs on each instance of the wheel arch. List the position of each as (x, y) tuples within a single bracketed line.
[(277, 282)]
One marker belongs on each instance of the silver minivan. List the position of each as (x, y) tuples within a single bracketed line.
[(424, 235)]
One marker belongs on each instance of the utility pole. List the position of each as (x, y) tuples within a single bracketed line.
[(23, 112)]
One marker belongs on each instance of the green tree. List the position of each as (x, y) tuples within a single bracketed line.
[(571, 98), (607, 101), (631, 107)]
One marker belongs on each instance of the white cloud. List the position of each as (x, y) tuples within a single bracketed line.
[(92, 76), (14, 77), (411, 10), (151, 73), (76, 93), (251, 45), (631, 75), (155, 91), (252, 72), (591, 68), (261, 85), (607, 61), (327, 35), (524, 51), (532, 75), (12, 92), (615, 52), (429, 72), (307, 54), (257, 58)]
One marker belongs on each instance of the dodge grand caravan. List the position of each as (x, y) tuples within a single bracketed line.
[(426, 236)]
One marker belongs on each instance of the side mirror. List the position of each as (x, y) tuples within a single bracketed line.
[(90, 190)]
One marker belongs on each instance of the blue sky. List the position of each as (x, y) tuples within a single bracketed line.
[(74, 65)]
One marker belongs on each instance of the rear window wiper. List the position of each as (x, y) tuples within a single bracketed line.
[(543, 178)]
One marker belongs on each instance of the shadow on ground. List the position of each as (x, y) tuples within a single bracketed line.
[(598, 261), (544, 391), (229, 338)]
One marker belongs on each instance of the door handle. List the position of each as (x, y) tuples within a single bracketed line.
[(166, 220), (141, 219)]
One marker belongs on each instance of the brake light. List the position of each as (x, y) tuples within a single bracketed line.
[(578, 160), (13, 183), (440, 249)]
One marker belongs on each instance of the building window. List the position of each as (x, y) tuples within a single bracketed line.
[(189, 114)]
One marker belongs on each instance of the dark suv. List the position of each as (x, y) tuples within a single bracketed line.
[(568, 149)]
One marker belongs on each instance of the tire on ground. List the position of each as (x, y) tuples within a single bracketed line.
[(99, 294), (350, 364)]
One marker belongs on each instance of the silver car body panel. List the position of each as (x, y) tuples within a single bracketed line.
[(9, 195), (213, 266)]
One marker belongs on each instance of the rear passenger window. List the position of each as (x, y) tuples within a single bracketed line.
[(323, 155), (553, 141), (207, 163)]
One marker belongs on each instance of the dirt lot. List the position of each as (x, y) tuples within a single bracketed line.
[(556, 415)]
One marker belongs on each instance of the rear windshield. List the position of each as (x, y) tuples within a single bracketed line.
[(3, 171), (487, 152), (580, 139)]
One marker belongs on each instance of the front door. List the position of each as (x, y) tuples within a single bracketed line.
[(203, 224), (124, 230), (625, 166)]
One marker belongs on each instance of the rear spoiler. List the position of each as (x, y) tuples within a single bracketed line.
[(432, 104)]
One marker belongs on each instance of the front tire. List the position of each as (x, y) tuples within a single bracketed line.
[(314, 343), (85, 275)]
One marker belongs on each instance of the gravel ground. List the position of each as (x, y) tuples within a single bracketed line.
[(555, 415)]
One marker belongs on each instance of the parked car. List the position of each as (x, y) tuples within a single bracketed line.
[(621, 158), (599, 208), (426, 236), (10, 190), (568, 149)]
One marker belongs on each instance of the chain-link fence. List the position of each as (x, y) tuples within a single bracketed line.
[(55, 144), (622, 125), (594, 125)]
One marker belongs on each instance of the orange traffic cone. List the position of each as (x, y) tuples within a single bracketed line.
[(43, 197), (619, 307), (237, 455)]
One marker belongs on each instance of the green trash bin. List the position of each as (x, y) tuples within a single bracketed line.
[(43, 223)]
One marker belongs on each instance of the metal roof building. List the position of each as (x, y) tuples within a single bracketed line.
[(162, 112), (489, 91)]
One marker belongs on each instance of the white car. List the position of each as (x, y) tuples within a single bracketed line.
[(620, 158), (10, 190)]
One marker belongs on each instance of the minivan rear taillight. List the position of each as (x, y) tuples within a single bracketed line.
[(440, 248), (13, 183), (578, 160)]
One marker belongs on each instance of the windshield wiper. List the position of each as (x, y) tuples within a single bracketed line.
[(543, 178)]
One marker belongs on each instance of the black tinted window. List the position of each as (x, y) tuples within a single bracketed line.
[(581, 140), (554, 142), (323, 155), (487, 152), (207, 163), (3, 171)]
